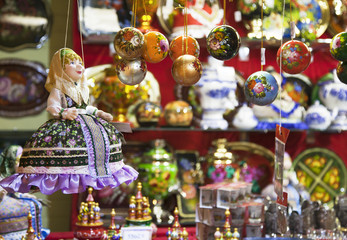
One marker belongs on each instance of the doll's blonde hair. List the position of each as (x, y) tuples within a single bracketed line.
[(67, 56)]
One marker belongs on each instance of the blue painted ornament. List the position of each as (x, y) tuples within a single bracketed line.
[(223, 42), (261, 88)]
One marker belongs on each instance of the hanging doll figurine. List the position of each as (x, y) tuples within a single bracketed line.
[(78, 147)]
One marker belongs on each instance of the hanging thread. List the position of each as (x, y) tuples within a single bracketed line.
[(225, 11), (144, 8), (80, 25), (262, 49), (281, 56), (66, 30), (134, 9)]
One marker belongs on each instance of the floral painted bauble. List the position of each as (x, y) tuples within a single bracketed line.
[(186, 70), (261, 88), (223, 42), (341, 71), (131, 72), (156, 47), (129, 43), (295, 57), (189, 46), (338, 46)]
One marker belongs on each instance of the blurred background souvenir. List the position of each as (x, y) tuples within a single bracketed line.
[(148, 114), (239, 161), (24, 25), (331, 92), (16, 206), (121, 100), (338, 16), (202, 17), (145, 12), (322, 172), (178, 114), (244, 118), (101, 20), (22, 90), (318, 117), (158, 171), (216, 92), (311, 18)]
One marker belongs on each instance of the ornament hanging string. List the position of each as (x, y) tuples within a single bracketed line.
[(281, 72), (185, 29), (292, 24), (262, 58), (144, 8), (66, 30), (225, 11), (134, 9), (80, 25)]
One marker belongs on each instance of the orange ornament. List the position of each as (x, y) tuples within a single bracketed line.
[(177, 48), (156, 47), (186, 70)]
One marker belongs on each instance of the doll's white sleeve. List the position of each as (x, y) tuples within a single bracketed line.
[(54, 105)]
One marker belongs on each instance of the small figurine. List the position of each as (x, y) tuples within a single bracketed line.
[(78, 147), (270, 220), (30, 235), (217, 234), (168, 233), (112, 229), (295, 224), (132, 208), (236, 234)]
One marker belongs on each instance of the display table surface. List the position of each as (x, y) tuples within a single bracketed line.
[(161, 234)]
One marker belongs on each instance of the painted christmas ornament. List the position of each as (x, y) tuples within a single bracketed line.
[(189, 46), (129, 43), (295, 56), (341, 71), (338, 46), (223, 42), (261, 88), (131, 72), (156, 47), (186, 70)]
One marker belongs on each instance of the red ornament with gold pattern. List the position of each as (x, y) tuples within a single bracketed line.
[(296, 57)]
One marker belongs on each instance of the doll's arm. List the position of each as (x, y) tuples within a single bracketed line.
[(54, 106), (99, 113)]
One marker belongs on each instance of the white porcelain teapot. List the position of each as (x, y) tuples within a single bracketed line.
[(318, 117), (245, 118), (333, 94)]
